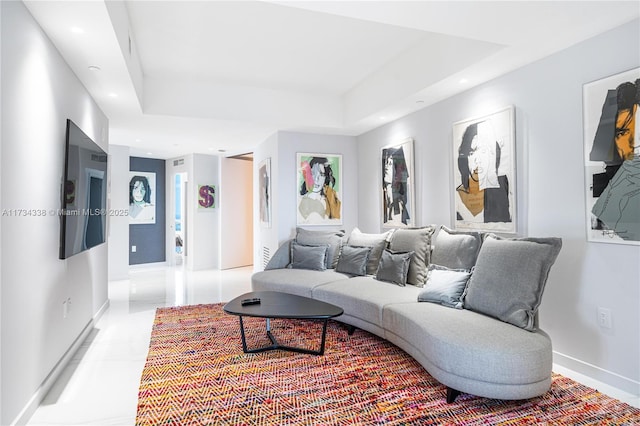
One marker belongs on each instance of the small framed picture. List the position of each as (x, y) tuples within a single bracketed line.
[(264, 188), (398, 192), (142, 198)]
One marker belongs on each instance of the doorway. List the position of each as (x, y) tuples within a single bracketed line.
[(236, 211), (180, 218)]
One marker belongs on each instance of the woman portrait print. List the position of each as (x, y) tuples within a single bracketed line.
[(141, 198), (319, 191)]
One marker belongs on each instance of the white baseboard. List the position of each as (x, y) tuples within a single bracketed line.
[(607, 382), (33, 404)]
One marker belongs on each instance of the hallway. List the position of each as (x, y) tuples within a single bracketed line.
[(100, 384)]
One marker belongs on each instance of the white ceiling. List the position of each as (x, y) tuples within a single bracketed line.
[(202, 76)]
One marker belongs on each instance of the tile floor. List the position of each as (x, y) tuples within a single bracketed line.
[(100, 384)]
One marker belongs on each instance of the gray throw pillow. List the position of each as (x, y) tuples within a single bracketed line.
[(281, 258), (394, 267), (417, 240), (455, 249), (377, 242), (333, 239), (308, 257), (353, 260), (444, 286), (509, 278)]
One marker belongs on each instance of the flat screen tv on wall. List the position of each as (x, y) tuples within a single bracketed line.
[(83, 219)]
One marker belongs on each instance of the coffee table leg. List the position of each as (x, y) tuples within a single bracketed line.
[(276, 345), (244, 340), (324, 338)]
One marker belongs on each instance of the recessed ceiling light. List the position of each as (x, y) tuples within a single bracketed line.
[(113, 95), (149, 153), (382, 117), (138, 140), (463, 81), (419, 101), (77, 30), (94, 68)]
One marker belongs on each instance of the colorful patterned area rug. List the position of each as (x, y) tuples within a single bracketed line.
[(197, 374)]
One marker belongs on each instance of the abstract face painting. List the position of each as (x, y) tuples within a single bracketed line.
[(397, 185), (484, 172), (319, 189), (612, 158)]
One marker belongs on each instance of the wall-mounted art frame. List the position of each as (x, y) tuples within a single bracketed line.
[(397, 183), (612, 158), (319, 189), (484, 172), (207, 197), (264, 189), (142, 198)]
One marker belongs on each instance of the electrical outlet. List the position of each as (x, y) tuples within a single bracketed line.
[(133, 249), (604, 318)]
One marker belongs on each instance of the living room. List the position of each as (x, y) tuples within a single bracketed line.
[(40, 91)]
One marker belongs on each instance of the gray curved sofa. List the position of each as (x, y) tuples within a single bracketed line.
[(475, 342)]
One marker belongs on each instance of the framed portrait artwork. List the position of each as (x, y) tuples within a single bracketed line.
[(264, 188), (484, 176), (319, 189), (612, 158), (398, 192), (142, 198)]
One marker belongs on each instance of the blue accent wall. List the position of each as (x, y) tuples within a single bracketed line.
[(149, 239)]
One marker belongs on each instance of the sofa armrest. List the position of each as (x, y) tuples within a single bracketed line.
[(281, 258)]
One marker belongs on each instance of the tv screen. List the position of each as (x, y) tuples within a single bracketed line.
[(84, 194)]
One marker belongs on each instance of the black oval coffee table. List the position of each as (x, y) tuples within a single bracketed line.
[(274, 304)]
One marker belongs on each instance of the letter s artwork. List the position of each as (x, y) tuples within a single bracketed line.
[(206, 196)]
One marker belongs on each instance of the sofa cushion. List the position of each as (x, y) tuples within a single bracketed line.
[(353, 260), (417, 240), (308, 257), (509, 278), (394, 267), (314, 238), (455, 249), (444, 286), (281, 258), (364, 297), (377, 242), (294, 281), (471, 346)]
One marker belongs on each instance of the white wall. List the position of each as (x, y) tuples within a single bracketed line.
[(282, 149), (289, 144), (236, 211), (263, 237), (205, 223), (551, 196), (39, 92), (118, 225)]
